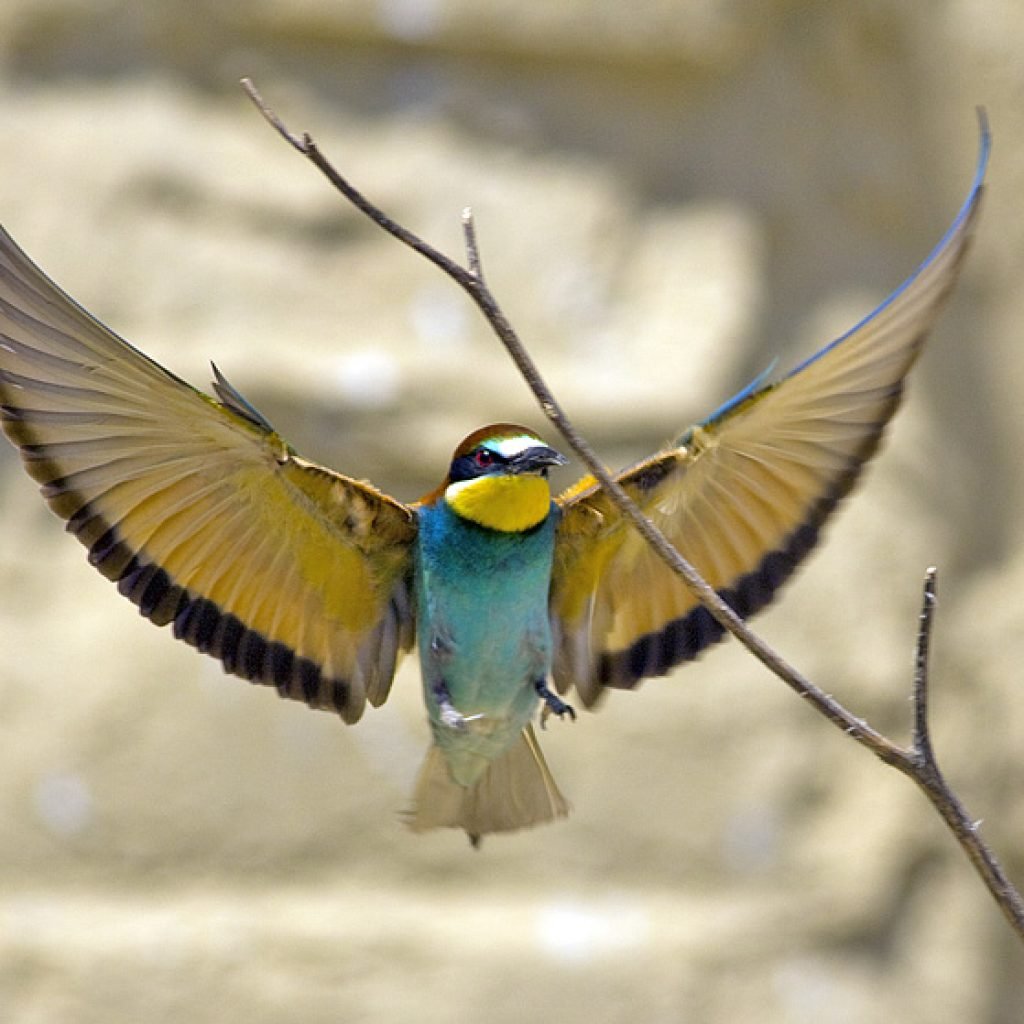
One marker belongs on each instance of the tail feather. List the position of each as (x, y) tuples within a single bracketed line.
[(517, 791)]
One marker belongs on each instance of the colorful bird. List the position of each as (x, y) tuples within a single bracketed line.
[(301, 578)]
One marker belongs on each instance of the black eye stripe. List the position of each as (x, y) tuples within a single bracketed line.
[(478, 462)]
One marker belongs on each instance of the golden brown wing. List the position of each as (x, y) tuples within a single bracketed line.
[(289, 573), (743, 495)]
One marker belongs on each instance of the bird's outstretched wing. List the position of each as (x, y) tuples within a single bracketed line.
[(289, 573), (743, 494)]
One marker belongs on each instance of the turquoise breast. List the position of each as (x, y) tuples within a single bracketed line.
[(483, 628)]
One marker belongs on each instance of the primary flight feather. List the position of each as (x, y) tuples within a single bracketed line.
[(301, 578)]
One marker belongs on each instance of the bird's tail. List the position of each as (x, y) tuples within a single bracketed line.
[(516, 791)]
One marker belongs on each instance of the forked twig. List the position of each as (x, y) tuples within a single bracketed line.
[(919, 763), (916, 761)]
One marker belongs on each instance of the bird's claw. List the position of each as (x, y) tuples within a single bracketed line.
[(553, 705), (452, 718), (447, 712)]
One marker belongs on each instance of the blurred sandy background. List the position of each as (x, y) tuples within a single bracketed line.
[(668, 196)]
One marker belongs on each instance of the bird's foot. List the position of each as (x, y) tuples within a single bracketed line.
[(452, 718), (449, 715), (553, 704), (446, 709)]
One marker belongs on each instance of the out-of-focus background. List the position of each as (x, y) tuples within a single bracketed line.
[(668, 196)]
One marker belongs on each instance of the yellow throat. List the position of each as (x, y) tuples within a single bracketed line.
[(510, 504)]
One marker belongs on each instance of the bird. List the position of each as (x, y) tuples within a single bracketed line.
[(304, 579)]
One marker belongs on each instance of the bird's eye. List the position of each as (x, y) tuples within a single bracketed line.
[(483, 458)]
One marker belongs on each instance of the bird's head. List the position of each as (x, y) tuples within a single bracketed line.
[(498, 478)]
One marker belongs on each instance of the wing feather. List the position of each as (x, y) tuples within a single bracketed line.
[(743, 495), (290, 574)]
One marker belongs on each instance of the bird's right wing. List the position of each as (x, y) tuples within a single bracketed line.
[(743, 494), (289, 573)]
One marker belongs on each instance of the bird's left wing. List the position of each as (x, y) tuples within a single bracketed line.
[(742, 495), (289, 573)]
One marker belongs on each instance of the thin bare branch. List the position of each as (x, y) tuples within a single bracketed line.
[(920, 764), (270, 117), (472, 249), (922, 742), (917, 762)]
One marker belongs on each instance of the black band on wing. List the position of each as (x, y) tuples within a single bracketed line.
[(685, 638), (197, 620)]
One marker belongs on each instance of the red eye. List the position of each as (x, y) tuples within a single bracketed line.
[(483, 458)]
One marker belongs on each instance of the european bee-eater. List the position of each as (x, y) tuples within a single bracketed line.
[(298, 577)]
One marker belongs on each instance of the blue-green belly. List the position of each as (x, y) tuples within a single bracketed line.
[(484, 634)]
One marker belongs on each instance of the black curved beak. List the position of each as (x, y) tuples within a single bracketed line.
[(538, 459)]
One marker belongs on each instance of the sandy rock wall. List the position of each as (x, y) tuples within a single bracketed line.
[(668, 197)]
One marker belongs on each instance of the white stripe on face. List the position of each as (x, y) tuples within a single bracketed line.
[(509, 447)]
